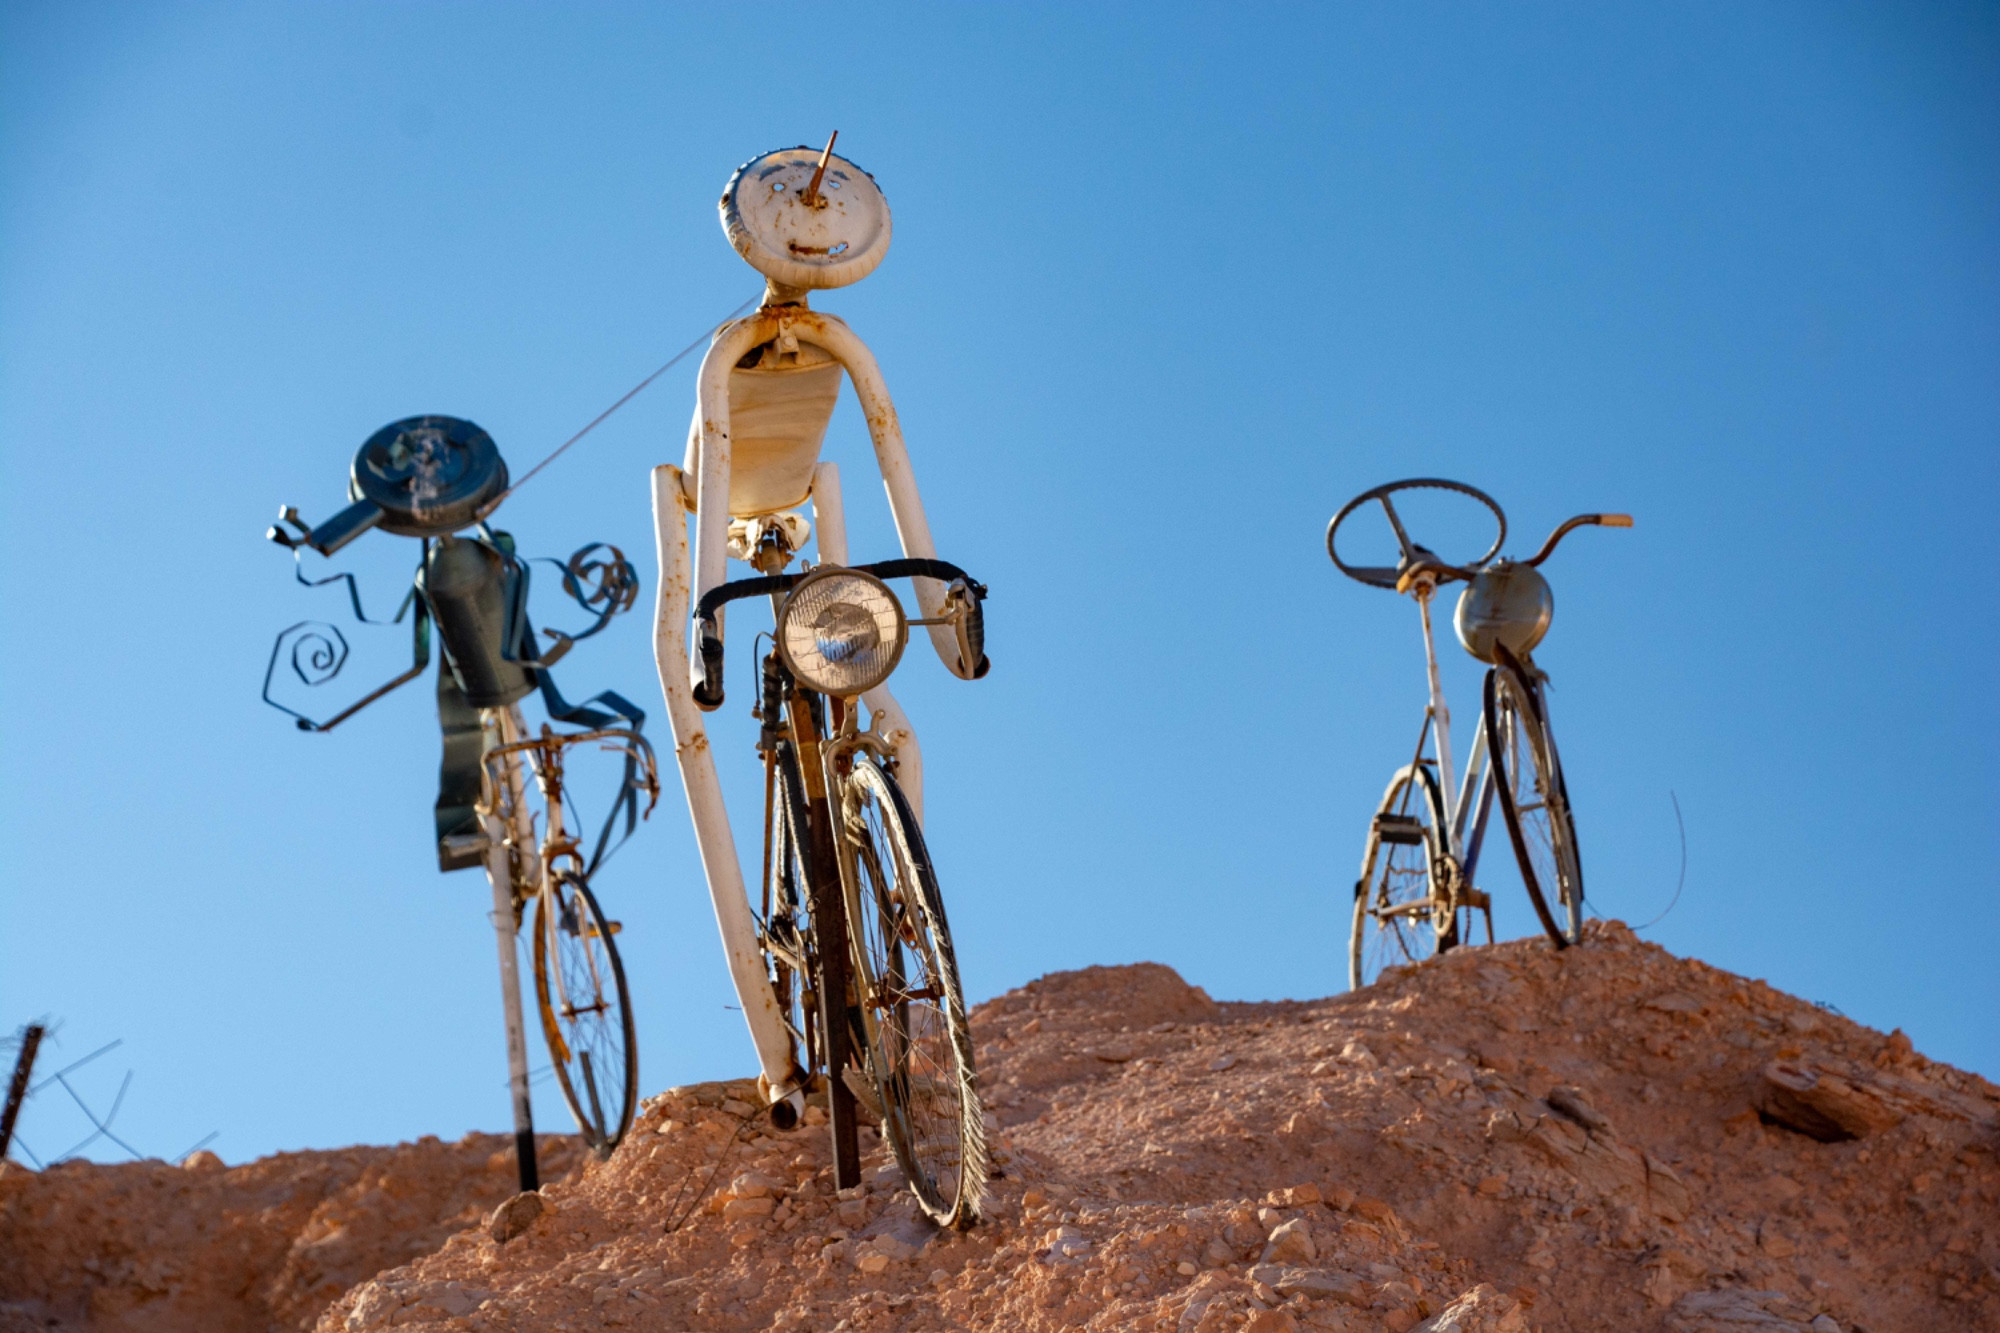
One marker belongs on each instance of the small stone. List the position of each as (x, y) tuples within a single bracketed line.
[(201, 1159), (1291, 1243), (1186, 1269), (1217, 1253), (738, 1210), (1220, 1063), (1116, 1052), (871, 1261), (1271, 1321), (1493, 1186), (755, 1185), (513, 1217)]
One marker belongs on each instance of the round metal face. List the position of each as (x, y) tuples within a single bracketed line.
[(429, 475), (841, 631), (1510, 604), (835, 238)]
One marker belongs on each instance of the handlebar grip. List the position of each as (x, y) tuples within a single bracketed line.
[(1615, 520), (708, 652), (972, 641)]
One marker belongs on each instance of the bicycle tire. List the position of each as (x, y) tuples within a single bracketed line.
[(1389, 927), (586, 1011), (1534, 801), (918, 1043)]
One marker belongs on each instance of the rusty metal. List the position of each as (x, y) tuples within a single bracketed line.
[(17, 1087), (811, 195)]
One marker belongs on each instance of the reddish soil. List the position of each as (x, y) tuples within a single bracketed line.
[(1507, 1139)]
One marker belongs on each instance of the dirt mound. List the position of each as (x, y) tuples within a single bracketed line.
[(265, 1246), (1503, 1140)]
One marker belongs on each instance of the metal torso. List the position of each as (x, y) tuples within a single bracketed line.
[(464, 581), (781, 396)]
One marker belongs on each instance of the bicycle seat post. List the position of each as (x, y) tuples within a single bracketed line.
[(1423, 588)]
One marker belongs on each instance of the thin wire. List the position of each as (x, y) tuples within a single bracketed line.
[(634, 392), (1682, 883)]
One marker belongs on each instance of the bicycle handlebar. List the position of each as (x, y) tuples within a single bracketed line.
[(1580, 521), (708, 642)]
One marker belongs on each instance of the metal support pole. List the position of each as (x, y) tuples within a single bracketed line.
[(17, 1087), (499, 873)]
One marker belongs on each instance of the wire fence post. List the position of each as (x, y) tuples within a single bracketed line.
[(17, 1087)]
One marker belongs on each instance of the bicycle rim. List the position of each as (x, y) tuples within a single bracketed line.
[(789, 956), (918, 1043), (586, 1013), (1534, 801), (1397, 916)]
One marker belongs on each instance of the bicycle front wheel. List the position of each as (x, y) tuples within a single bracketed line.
[(1402, 901), (917, 1041), (1535, 803), (790, 954), (586, 1013)]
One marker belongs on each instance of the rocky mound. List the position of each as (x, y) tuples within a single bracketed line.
[(146, 1246), (1509, 1138)]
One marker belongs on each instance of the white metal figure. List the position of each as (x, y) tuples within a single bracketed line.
[(807, 221)]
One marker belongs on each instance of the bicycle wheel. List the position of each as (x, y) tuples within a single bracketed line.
[(586, 1013), (1535, 802), (918, 1044), (1402, 901), (788, 942)]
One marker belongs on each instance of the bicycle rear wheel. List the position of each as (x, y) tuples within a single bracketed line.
[(1535, 802), (918, 1043), (1402, 901), (586, 1013)]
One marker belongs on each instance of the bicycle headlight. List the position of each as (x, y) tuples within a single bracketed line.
[(841, 631)]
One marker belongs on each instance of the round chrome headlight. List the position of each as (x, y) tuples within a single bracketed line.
[(841, 631)]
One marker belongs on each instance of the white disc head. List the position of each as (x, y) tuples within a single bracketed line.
[(829, 241)]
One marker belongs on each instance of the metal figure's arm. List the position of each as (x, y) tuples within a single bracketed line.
[(329, 536), (320, 651)]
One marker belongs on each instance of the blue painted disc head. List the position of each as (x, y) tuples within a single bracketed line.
[(428, 475)]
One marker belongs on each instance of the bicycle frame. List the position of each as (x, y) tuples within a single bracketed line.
[(1468, 804), (519, 867)]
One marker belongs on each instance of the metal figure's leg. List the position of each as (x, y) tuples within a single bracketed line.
[(704, 792), (500, 874), (886, 718)]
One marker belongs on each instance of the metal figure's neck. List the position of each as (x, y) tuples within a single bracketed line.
[(778, 293)]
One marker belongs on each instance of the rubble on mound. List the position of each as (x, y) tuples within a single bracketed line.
[(256, 1248), (1505, 1139)]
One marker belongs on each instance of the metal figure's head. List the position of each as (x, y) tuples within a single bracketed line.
[(428, 475), (806, 218), (1508, 603)]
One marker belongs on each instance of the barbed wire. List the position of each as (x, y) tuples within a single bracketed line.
[(101, 1125)]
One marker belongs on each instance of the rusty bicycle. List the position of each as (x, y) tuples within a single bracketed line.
[(1416, 895)]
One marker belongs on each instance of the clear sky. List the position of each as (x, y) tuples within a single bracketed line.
[(1168, 285)]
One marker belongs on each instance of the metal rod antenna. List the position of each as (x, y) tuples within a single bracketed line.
[(826, 156), (17, 1087)]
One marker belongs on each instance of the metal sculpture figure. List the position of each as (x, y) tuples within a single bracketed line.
[(846, 975), (438, 479)]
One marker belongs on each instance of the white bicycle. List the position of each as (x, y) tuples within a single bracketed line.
[(1415, 897)]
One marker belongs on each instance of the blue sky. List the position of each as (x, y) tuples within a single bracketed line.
[(1168, 285)]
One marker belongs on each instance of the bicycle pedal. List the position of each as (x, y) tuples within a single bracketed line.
[(1401, 830), (1476, 898), (864, 1092)]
